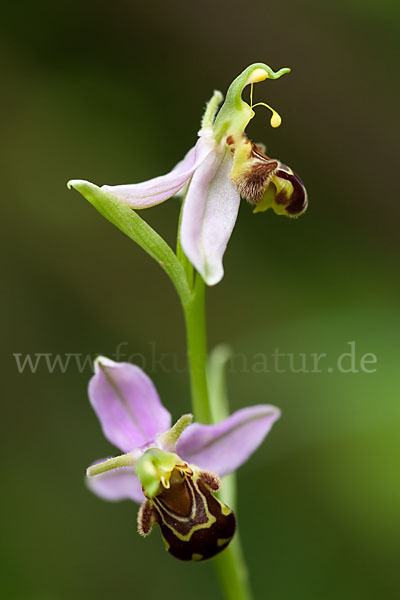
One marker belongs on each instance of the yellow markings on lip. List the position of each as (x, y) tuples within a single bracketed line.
[(282, 185), (225, 510), (165, 481), (167, 544), (223, 541), (186, 538), (197, 556)]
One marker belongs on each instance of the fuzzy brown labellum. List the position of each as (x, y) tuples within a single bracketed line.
[(195, 525), (252, 183), (265, 182)]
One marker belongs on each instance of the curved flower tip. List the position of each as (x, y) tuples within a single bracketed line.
[(224, 447), (235, 113), (77, 183), (127, 404), (91, 192), (86, 188)]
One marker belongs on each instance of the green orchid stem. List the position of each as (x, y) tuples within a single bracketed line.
[(195, 319), (230, 566), (211, 406)]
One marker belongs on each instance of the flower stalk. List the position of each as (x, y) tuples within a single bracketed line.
[(210, 405), (195, 320)]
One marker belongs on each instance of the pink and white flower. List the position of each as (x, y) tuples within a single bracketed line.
[(223, 166), (134, 420)]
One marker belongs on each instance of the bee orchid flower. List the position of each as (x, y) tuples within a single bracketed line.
[(172, 471), (223, 166)]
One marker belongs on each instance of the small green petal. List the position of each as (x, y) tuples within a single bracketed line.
[(168, 439), (211, 110), (125, 460)]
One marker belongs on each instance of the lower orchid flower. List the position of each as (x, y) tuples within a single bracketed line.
[(172, 471), (222, 167)]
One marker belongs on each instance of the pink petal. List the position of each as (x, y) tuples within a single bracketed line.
[(222, 448), (152, 192), (127, 404), (119, 484), (209, 215)]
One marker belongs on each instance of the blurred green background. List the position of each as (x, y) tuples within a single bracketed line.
[(113, 92)]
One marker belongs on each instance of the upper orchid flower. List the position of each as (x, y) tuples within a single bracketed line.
[(174, 472), (223, 166)]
